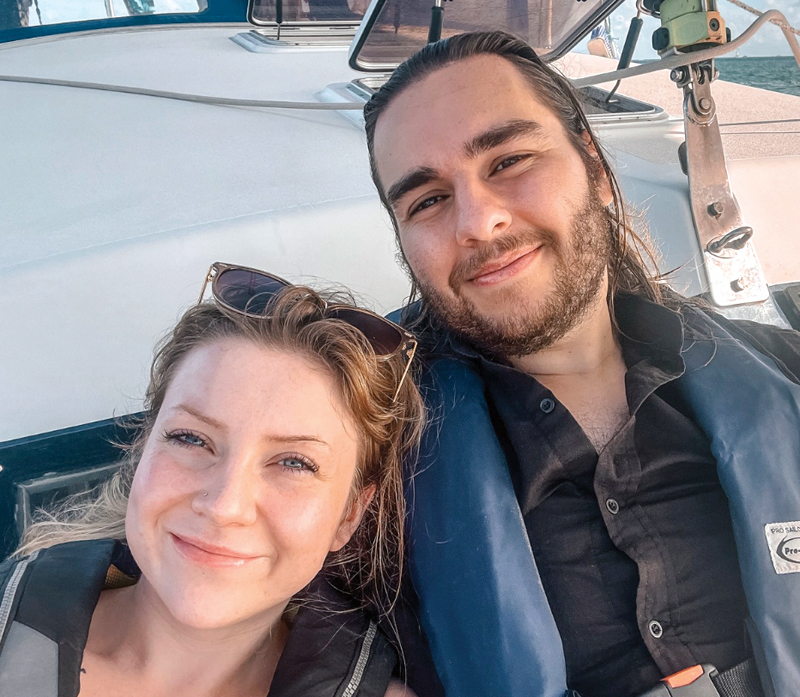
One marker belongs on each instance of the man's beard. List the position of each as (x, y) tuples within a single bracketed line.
[(580, 265)]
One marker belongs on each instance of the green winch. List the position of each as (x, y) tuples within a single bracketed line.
[(687, 24)]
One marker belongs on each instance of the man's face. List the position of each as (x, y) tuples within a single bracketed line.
[(497, 217)]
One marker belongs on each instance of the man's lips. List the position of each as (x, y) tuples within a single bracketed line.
[(208, 554), (504, 268)]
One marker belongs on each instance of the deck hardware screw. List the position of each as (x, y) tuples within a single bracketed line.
[(715, 209), (739, 284), (705, 104), (713, 25)]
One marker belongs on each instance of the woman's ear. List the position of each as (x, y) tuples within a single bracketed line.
[(598, 177), (353, 517)]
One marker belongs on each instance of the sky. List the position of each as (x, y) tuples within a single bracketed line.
[(769, 41)]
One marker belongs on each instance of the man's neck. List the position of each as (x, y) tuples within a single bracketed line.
[(585, 349), (585, 371)]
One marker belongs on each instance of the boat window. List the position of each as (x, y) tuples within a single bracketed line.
[(32, 13), (47, 492), (42, 471), (265, 12)]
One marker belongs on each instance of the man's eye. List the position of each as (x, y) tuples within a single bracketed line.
[(297, 463), (187, 439), (426, 203), (509, 162)]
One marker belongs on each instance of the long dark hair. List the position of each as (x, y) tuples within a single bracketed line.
[(630, 254)]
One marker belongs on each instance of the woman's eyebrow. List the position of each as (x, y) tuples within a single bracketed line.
[(503, 133), (200, 416), (296, 439), (273, 437)]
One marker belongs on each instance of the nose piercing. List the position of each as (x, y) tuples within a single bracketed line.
[(205, 493)]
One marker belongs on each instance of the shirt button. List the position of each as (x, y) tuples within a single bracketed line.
[(656, 630), (612, 506), (547, 405)]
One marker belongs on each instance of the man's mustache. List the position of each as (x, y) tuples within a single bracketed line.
[(496, 249)]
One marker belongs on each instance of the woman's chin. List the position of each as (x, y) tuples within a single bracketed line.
[(217, 614), (207, 607)]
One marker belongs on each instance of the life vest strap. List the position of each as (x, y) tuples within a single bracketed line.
[(706, 681)]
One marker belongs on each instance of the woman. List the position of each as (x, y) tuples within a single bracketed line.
[(270, 451)]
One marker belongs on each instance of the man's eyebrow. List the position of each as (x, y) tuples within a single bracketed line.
[(502, 134), (410, 181)]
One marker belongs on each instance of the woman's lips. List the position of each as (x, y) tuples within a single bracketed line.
[(497, 272), (206, 554)]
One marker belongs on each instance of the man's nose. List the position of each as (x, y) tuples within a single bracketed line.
[(481, 214), (226, 495)]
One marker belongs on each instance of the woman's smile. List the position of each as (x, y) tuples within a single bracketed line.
[(205, 554)]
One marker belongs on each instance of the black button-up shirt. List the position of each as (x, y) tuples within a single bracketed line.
[(634, 544)]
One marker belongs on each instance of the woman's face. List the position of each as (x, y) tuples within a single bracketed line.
[(244, 484)]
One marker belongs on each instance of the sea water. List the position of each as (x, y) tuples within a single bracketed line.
[(777, 73)]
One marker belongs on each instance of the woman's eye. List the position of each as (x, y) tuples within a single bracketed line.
[(426, 203), (297, 463), (187, 439), (509, 162)]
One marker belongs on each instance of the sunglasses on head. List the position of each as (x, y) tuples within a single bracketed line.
[(250, 292)]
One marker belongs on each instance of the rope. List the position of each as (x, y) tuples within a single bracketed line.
[(758, 13), (197, 98)]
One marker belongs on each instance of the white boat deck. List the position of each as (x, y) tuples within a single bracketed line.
[(735, 103), (115, 204)]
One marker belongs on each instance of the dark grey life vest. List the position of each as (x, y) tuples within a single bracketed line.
[(482, 605), (46, 606)]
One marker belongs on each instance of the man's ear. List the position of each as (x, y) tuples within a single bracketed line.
[(352, 518), (599, 177)]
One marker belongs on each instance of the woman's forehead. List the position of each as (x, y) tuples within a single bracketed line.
[(236, 382)]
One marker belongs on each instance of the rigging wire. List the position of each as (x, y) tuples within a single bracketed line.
[(761, 123), (761, 133)]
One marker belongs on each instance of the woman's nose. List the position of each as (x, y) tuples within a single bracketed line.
[(226, 495), (481, 214)]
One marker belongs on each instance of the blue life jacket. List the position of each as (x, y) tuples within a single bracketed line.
[(482, 603)]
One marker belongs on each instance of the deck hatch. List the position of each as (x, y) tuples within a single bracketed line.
[(392, 30)]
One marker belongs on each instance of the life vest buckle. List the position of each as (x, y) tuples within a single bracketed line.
[(695, 681)]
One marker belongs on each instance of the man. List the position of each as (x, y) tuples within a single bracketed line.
[(615, 408)]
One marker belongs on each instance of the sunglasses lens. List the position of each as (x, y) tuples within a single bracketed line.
[(384, 337), (247, 291)]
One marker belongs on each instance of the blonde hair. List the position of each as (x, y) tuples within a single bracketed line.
[(369, 567)]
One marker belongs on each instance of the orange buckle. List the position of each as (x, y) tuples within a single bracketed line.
[(684, 677)]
